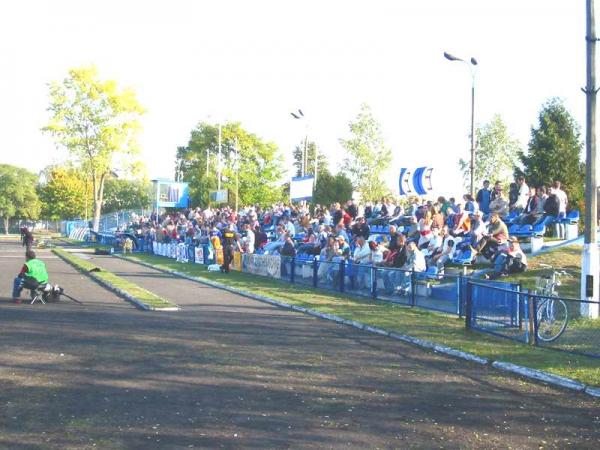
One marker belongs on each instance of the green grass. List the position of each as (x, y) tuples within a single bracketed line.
[(134, 290), (568, 258), (437, 327)]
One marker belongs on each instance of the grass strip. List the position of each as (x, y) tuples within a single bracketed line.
[(437, 327), (142, 295)]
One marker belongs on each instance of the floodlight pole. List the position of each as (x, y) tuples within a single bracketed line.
[(590, 265), (471, 64)]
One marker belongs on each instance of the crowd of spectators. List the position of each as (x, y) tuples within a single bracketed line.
[(419, 235)]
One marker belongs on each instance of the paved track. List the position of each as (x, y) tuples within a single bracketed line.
[(231, 372)]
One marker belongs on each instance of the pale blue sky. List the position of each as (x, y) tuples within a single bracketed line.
[(255, 61)]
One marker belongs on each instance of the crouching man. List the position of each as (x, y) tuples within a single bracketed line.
[(33, 273)]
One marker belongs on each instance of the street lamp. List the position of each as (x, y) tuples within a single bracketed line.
[(471, 64)]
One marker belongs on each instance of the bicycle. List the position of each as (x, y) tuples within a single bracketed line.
[(552, 314)]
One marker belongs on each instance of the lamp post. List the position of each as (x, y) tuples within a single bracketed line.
[(471, 64)]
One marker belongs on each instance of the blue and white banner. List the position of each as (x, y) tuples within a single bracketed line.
[(417, 182)]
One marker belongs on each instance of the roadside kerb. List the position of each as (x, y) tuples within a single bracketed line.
[(120, 292), (526, 372)]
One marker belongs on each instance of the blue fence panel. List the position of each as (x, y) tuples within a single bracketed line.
[(499, 308), (438, 293)]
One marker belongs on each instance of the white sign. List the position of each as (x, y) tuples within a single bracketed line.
[(301, 188)]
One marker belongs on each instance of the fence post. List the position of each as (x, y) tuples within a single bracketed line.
[(374, 282), (533, 325), (315, 272), (293, 270), (468, 305), (342, 274), (413, 288)]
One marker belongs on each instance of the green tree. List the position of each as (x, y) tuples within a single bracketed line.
[(496, 157), (554, 152), (18, 197), (332, 188), (65, 194), (254, 166), (122, 194), (368, 157), (311, 150), (98, 123)]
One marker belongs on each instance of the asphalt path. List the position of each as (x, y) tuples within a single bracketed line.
[(229, 372)]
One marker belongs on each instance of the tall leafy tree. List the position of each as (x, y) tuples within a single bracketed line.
[(332, 188), (121, 194), (18, 197), (368, 158), (65, 194), (554, 152), (312, 153), (497, 154), (247, 161), (97, 122)]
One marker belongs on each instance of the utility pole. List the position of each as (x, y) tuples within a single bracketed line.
[(219, 162), (207, 159), (590, 265)]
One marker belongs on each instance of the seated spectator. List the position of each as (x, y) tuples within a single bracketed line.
[(360, 228), (341, 231), (376, 254), (276, 244), (260, 237), (499, 204), (415, 263), (534, 211), (311, 247), (478, 227), (440, 258), (496, 236), (424, 228), (462, 222), (470, 204), (361, 256), (288, 248), (510, 260)]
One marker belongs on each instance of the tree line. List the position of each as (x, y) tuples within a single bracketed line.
[(98, 123)]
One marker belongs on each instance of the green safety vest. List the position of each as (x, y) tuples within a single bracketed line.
[(36, 269)]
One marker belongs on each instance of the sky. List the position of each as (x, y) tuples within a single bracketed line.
[(256, 61)]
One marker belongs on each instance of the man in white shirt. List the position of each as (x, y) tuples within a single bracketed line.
[(361, 256), (562, 197), (249, 239), (415, 263), (523, 197)]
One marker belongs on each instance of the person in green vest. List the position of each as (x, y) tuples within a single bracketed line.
[(33, 273)]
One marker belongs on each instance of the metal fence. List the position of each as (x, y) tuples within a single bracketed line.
[(551, 322), (494, 307)]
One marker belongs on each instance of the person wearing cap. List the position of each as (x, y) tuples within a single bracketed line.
[(33, 273), (511, 259)]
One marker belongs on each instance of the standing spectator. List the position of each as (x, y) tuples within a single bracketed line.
[(562, 197), (415, 263), (522, 195), (27, 239), (250, 239), (484, 197)]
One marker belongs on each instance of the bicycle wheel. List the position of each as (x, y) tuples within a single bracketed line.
[(552, 318)]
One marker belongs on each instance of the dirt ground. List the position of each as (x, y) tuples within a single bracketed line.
[(229, 372)]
